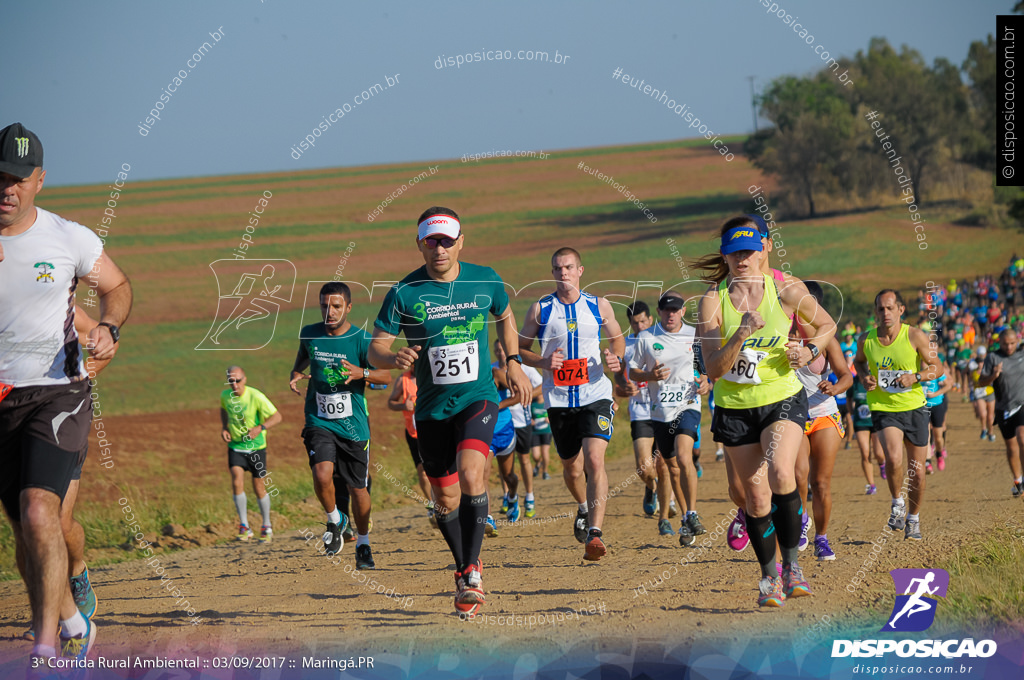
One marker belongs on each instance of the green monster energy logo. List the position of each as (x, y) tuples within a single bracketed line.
[(453, 335)]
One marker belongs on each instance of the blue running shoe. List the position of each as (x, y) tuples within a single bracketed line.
[(82, 592), (490, 527), (699, 467), (665, 527), (504, 503), (530, 508), (78, 647), (513, 511), (650, 502)]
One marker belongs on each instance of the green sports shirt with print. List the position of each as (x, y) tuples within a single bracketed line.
[(330, 403), (246, 412), (450, 321)]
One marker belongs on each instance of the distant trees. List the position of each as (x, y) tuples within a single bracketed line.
[(821, 142)]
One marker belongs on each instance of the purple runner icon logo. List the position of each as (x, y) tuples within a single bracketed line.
[(914, 610), (247, 315)]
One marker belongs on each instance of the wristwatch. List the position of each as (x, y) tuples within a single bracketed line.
[(814, 350), (114, 332), (366, 373), (918, 376), (515, 357)]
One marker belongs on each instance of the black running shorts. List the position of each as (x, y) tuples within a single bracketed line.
[(913, 424), (414, 448), (937, 414), (441, 440), (250, 461), (571, 425), (351, 458), (741, 426), (44, 433), (687, 422), (641, 429), (1008, 426), (540, 439), (524, 435)]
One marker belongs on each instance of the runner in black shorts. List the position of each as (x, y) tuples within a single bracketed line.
[(46, 411), (442, 308), (1004, 370)]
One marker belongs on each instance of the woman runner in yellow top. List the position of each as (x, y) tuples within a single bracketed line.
[(760, 406)]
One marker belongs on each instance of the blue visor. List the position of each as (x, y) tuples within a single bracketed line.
[(741, 238)]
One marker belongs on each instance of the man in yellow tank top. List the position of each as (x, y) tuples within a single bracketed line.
[(892, 361)]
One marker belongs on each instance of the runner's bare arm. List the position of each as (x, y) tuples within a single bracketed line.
[(224, 434), (616, 340), (531, 326), (376, 377), (395, 401), (115, 292), (301, 364), (821, 326), (837, 361), (860, 362), (945, 386), (928, 353), (718, 357), (509, 339), (83, 326), (380, 353)]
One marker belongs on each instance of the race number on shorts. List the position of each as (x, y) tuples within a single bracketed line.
[(334, 406), (573, 372), (454, 364), (744, 371), (889, 380)]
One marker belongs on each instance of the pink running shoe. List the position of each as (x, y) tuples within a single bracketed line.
[(941, 456), (737, 537), (882, 466)]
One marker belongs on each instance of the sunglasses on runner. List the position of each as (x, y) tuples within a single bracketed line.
[(232, 381), (445, 241)]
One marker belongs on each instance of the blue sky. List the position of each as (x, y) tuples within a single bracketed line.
[(84, 75)]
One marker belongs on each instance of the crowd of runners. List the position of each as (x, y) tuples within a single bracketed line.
[(785, 389)]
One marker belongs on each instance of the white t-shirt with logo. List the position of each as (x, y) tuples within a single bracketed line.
[(639, 403), (675, 351), (38, 278)]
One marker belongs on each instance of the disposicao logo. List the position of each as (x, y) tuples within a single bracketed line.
[(914, 611)]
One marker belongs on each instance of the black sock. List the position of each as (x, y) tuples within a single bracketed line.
[(762, 538), (450, 527), (788, 516), (341, 496), (474, 516)]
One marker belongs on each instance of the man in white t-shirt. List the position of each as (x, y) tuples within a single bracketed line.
[(665, 356), (46, 410)]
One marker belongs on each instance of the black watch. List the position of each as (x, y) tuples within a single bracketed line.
[(814, 350), (515, 357), (114, 332)]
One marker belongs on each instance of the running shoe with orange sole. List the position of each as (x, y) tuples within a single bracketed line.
[(594, 548), (770, 592), (793, 581), (469, 590)]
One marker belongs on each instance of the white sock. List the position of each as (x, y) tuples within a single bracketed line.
[(913, 518), (529, 497), (1019, 480), (44, 651), (362, 539), (898, 501), (691, 512), (583, 508), (264, 504), (593, 529), (334, 517), (512, 500), (74, 627), (240, 505)]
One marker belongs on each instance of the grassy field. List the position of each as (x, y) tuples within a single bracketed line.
[(515, 213)]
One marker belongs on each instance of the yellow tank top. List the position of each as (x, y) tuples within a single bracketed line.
[(761, 374), (887, 364)]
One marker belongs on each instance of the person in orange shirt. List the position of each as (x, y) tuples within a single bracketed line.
[(403, 398)]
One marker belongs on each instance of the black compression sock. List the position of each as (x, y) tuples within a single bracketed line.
[(788, 518), (474, 518), (762, 538), (450, 527)]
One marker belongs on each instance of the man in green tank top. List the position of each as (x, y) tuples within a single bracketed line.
[(892, 361), (337, 430)]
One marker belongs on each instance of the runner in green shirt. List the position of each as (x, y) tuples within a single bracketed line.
[(442, 308), (337, 431), (245, 416)]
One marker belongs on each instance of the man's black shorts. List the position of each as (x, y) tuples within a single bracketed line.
[(937, 416), (540, 439), (741, 426), (687, 422), (641, 429), (441, 440), (1008, 426), (351, 458), (44, 433), (250, 461), (571, 425), (414, 448), (524, 437), (913, 424)]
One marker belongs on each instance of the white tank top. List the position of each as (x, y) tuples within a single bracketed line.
[(639, 404), (576, 330), (819, 404)]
